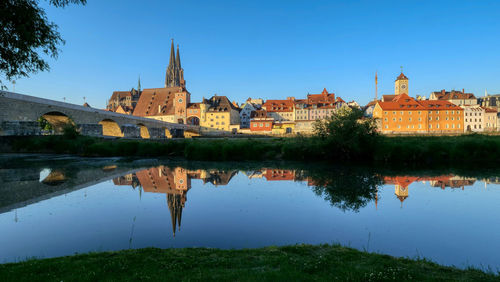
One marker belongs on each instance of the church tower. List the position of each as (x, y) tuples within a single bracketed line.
[(401, 84), (175, 74)]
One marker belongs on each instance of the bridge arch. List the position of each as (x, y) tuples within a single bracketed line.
[(54, 121), (144, 131), (110, 128)]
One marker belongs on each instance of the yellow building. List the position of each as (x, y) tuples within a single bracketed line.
[(283, 128), (218, 113)]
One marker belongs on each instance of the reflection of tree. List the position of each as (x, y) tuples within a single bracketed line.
[(345, 189)]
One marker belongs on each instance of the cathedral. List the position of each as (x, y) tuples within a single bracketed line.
[(175, 74), (168, 103)]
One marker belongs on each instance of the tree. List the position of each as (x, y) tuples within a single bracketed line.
[(346, 134), (347, 188), (26, 34)]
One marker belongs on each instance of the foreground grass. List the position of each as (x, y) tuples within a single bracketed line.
[(420, 150), (291, 263)]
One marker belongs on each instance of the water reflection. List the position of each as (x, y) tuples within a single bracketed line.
[(347, 189), (61, 207)]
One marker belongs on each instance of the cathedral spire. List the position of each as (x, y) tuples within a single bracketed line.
[(178, 59), (170, 77), (139, 84)]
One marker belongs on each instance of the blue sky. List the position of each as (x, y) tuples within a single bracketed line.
[(273, 49)]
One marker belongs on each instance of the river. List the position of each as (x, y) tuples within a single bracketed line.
[(59, 205)]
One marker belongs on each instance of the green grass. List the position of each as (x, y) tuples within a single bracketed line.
[(291, 263), (411, 150)]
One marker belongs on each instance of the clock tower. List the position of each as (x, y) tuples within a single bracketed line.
[(401, 84)]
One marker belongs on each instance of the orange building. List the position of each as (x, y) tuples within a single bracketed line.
[(404, 114)]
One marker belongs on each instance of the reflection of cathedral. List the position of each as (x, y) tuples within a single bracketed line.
[(175, 183)]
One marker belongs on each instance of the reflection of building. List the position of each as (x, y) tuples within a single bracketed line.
[(402, 183), (279, 174), (175, 183)]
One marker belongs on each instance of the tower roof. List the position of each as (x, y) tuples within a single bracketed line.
[(402, 77)]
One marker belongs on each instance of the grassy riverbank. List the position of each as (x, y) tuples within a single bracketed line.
[(413, 150), (266, 264)]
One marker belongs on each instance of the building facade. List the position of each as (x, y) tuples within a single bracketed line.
[(280, 110), (404, 114), (218, 113), (474, 118), (260, 122), (490, 119)]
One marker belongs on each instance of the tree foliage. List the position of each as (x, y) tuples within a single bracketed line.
[(26, 35), (348, 189), (347, 134)]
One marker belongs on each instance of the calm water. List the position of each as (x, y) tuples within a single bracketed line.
[(53, 206)]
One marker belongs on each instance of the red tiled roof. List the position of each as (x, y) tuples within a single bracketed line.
[(401, 102), (439, 105), (489, 110), (443, 95), (156, 102), (324, 97), (278, 105), (388, 98)]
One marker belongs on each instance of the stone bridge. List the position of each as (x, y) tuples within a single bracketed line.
[(20, 115)]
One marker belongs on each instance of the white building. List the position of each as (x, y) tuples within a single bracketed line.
[(473, 118)]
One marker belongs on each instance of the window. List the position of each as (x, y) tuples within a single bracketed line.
[(385, 119), (437, 125), (399, 126), (261, 125), (419, 119), (446, 125), (223, 123), (458, 125), (419, 126), (400, 119), (386, 126), (430, 125), (254, 125), (217, 123), (430, 118), (409, 119), (401, 112), (437, 118), (419, 112)]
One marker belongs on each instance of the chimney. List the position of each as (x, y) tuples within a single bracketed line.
[(443, 91), (463, 90)]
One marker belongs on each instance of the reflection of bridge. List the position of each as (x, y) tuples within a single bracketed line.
[(19, 115), (22, 187)]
